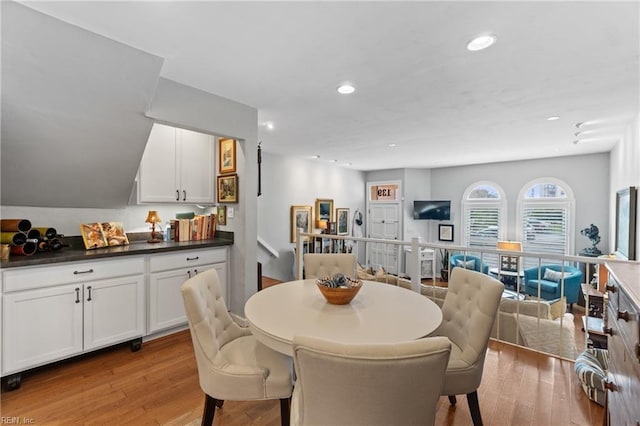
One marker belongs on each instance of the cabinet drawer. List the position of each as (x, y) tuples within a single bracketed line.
[(187, 259), (76, 272), (628, 329)]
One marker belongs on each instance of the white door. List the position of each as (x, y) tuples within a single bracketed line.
[(41, 326), (113, 311), (384, 223), (196, 166), (158, 180)]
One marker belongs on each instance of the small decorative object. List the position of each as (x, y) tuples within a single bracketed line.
[(342, 218), (445, 232), (228, 189), (227, 155), (324, 210), (153, 218), (300, 219), (222, 215), (338, 289), (92, 235), (593, 233), (114, 233)]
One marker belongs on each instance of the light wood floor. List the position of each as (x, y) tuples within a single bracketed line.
[(159, 385)]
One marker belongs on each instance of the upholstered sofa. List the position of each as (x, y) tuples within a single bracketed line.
[(468, 262), (549, 280), (548, 335)]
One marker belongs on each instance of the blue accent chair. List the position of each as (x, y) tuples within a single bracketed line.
[(478, 264), (550, 287)]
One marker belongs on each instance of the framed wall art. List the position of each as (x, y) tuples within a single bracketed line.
[(342, 219), (222, 215), (228, 188), (227, 155), (445, 232), (324, 211), (626, 203), (301, 218)]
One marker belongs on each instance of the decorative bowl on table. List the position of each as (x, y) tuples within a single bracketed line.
[(339, 289)]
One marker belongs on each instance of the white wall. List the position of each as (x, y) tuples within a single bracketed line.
[(290, 181), (416, 186), (587, 175), (624, 172)]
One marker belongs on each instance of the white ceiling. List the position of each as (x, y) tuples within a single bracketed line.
[(417, 85)]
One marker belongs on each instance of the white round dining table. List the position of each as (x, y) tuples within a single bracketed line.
[(380, 313)]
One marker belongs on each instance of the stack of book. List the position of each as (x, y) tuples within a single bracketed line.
[(199, 227)]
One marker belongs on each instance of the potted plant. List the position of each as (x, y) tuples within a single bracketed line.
[(444, 265)]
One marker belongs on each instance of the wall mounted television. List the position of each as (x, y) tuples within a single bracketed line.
[(432, 210)]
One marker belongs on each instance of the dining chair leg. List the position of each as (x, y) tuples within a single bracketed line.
[(284, 411), (474, 408), (209, 410), (219, 403), (452, 399)]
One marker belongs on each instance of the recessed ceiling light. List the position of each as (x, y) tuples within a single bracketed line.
[(392, 145), (346, 164), (553, 118), (481, 42), (346, 89), (316, 157), (269, 125)]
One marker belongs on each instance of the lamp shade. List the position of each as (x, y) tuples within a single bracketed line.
[(510, 245), (152, 217), (322, 224)]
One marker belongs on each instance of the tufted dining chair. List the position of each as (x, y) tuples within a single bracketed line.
[(232, 364), (377, 384), (319, 265), (468, 312)]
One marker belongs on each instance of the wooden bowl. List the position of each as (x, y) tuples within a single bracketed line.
[(339, 295)]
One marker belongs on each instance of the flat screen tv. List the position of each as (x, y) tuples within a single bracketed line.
[(432, 209)]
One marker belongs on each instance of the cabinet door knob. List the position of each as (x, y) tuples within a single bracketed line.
[(77, 295), (610, 287), (607, 330), (89, 290), (193, 258), (88, 271), (624, 315), (184, 195), (189, 274), (177, 195), (610, 386)]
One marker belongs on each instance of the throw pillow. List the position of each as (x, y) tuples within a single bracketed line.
[(469, 264), (551, 275), (557, 308)]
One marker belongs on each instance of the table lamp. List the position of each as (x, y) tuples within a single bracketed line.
[(153, 218), (322, 224), (509, 263)]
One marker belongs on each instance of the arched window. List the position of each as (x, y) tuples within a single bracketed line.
[(484, 217), (545, 217)]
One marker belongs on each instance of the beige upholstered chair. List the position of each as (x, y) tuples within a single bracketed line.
[(468, 312), (340, 384), (319, 265), (232, 364)]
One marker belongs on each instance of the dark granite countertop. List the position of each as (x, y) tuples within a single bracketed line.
[(137, 246)]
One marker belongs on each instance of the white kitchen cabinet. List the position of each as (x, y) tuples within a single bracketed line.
[(177, 167), (54, 312), (167, 274)]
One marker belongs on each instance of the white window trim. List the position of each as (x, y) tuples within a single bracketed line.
[(568, 202), (501, 203)]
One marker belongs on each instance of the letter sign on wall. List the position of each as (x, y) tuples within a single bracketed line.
[(384, 192)]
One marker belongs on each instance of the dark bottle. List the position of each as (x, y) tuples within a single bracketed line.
[(55, 244), (43, 245)]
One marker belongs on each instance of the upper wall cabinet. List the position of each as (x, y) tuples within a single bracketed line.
[(177, 167)]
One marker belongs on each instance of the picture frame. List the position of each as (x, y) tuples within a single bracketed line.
[(227, 189), (445, 232), (342, 220), (222, 215), (331, 228), (626, 217), (226, 155), (324, 210), (301, 217)]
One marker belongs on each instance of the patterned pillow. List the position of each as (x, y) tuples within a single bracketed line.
[(551, 275), (469, 264), (591, 366)]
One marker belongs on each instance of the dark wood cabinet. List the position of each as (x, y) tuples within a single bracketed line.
[(623, 327)]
